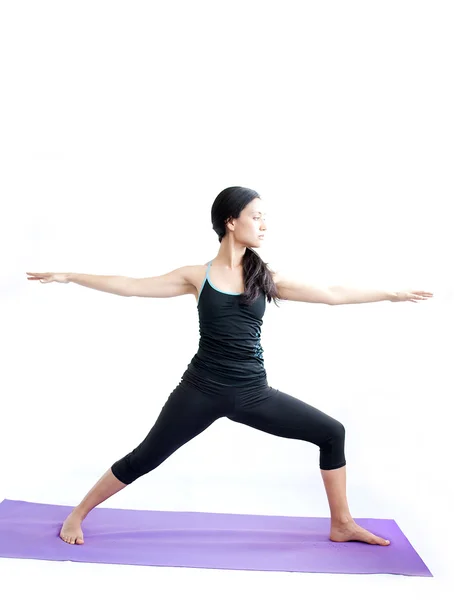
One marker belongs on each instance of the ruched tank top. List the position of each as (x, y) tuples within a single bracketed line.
[(230, 349)]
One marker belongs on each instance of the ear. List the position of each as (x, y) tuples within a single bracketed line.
[(228, 222)]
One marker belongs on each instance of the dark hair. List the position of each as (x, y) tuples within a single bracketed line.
[(257, 276)]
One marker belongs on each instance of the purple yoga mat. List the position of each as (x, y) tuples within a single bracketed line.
[(203, 540)]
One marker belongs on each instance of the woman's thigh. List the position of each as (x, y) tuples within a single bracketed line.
[(283, 415), (187, 412)]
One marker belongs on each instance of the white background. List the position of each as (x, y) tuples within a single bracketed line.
[(121, 122)]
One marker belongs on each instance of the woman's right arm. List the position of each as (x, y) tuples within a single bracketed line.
[(175, 283), (113, 284)]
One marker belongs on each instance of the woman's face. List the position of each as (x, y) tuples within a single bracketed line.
[(250, 227)]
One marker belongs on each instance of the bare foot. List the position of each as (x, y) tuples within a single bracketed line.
[(71, 532), (350, 532)]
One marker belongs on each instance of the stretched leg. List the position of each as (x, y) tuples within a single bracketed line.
[(186, 413), (280, 414)]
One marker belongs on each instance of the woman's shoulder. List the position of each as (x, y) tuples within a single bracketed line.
[(195, 275)]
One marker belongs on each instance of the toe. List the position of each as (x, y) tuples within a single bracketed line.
[(372, 539), (381, 541)]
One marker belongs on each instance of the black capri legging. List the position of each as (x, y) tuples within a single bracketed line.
[(193, 406)]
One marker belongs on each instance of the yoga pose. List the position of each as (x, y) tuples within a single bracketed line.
[(227, 377)]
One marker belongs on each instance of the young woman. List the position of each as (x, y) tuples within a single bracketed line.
[(227, 377)]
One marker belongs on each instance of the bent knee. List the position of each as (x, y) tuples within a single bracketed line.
[(336, 430)]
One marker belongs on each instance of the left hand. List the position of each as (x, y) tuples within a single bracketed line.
[(411, 296)]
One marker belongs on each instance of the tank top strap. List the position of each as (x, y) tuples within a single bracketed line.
[(208, 269)]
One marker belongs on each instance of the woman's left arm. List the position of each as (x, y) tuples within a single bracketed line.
[(290, 288), (348, 295)]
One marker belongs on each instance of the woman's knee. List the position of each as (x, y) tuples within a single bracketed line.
[(336, 430), (333, 435), (332, 450)]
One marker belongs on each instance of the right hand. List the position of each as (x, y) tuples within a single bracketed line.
[(49, 277)]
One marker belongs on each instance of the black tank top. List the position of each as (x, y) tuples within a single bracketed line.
[(230, 349)]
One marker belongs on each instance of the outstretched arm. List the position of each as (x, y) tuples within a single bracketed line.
[(176, 283), (290, 288), (348, 295)]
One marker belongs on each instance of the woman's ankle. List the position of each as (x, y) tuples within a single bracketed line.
[(339, 520), (78, 513)]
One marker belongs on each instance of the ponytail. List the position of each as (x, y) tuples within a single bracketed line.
[(257, 277)]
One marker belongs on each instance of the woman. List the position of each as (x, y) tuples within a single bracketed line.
[(227, 377)]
